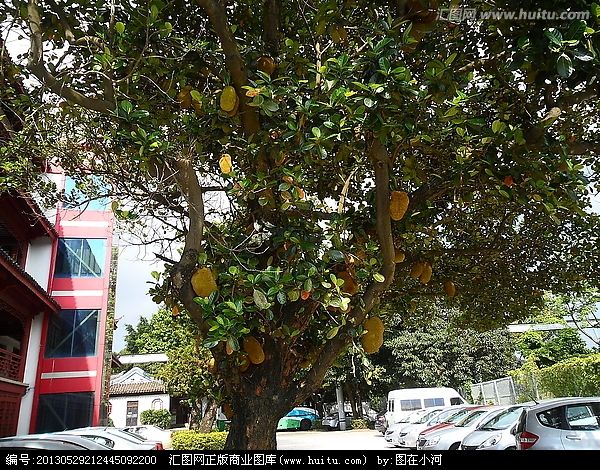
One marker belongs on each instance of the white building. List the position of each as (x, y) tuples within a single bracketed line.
[(133, 392)]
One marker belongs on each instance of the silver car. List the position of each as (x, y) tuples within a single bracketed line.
[(409, 435), (392, 432), (497, 433), (560, 424), (450, 438)]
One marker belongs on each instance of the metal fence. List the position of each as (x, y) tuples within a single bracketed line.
[(495, 392)]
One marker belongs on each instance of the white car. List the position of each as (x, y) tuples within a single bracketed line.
[(496, 433), (152, 433), (409, 435), (450, 438), (391, 433), (114, 438)]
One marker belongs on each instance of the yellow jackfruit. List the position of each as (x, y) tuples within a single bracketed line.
[(203, 282), (234, 111), (228, 99), (371, 342), (425, 276), (184, 97), (417, 270), (450, 289), (374, 325), (254, 350), (398, 204), (225, 164), (350, 286), (399, 256)]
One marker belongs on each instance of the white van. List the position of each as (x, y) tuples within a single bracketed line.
[(407, 400)]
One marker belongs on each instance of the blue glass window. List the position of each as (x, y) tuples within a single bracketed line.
[(72, 333), (60, 411), (80, 257), (78, 200)]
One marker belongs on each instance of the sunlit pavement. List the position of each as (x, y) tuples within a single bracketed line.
[(359, 439)]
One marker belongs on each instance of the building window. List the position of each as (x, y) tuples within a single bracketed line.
[(80, 257), (60, 411), (157, 404), (72, 333), (77, 199), (131, 419)]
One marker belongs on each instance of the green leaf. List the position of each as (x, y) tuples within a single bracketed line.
[(126, 106), (260, 300), (369, 103), (498, 126), (281, 297), (119, 27), (155, 275), (336, 255), (333, 332), (293, 295), (196, 96), (316, 132), (564, 66), (379, 277), (233, 270), (233, 344), (555, 36)]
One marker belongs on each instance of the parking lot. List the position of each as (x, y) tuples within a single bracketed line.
[(358, 439)]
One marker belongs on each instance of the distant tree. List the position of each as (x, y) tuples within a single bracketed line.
[(189, 374)]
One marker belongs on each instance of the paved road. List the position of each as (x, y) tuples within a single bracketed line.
[(358, 439)]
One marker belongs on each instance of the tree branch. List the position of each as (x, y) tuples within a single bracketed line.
[(381, 162), (271, 25), (234, 62), (37, 67)]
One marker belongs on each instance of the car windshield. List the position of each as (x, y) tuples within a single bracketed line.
[(128, 436), (441, 416), (470, 419), (457, 416), (503, 420), (427, 416)]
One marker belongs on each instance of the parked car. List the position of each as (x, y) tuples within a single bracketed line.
[(152, 433), (560, 424), (451, 437), (50, 442), (409, 435), (404, 401), (380, 422), (301, 418), (332, 421), (497, 433), (114, 438), (392, 431), (460, 413)]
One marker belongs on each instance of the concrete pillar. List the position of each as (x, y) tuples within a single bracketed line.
[(341, 413)]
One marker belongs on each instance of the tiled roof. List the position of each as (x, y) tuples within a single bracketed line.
[(137, 388), (33, 283)]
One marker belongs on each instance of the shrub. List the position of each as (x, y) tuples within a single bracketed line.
[(575, 377), (194, 440), (360, 424), (160, 418)]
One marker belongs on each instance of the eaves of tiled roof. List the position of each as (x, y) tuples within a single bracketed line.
[(137, 388)]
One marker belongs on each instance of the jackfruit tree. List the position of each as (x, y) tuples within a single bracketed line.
[(348, 149)]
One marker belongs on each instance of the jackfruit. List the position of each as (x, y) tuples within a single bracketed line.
[(228, 99), (203, 282), (398, 204), (254, 350), (225, 164), (417, 270), (425, 276), (450, 289), (399, 256), (350, 286)]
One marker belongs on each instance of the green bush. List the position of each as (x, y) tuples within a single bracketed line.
[(575, 377), (160, 418), (360, 424), (194, 440)]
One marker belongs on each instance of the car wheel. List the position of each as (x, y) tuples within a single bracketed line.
[(511, 448), (305, 425), (454, 446)]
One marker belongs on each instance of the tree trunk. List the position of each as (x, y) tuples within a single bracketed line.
[(254, 425), (207, 421)]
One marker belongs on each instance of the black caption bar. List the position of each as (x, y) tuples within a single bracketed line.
[(28, 458)]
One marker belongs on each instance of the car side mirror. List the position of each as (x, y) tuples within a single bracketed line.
[(513, 431)]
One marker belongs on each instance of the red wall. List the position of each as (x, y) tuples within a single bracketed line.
[(75, 301)]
